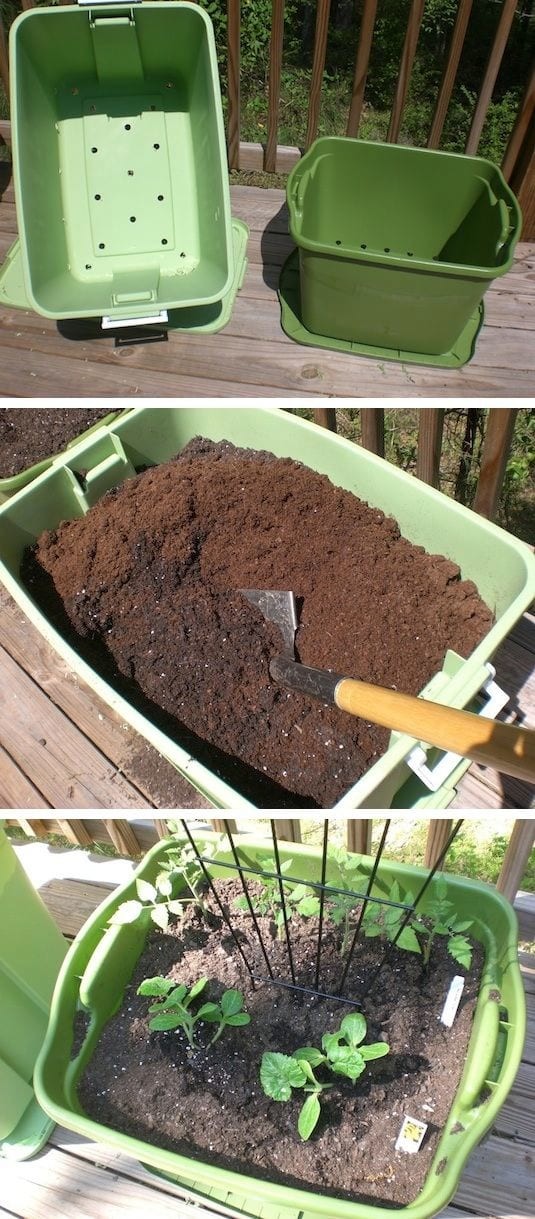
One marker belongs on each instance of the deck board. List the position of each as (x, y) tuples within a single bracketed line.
[(252, 357), (91, 759)]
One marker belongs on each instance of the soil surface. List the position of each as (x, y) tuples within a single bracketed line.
[(31, 434), (209, 1104), (148, 580)]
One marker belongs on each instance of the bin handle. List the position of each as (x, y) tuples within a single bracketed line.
[(297, 196), (506, 225)]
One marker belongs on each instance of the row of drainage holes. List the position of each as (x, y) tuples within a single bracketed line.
[(102, 246), (159, 197), (410, 253), (156, 146)]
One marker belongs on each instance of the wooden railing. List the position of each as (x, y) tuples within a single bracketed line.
[(500, 423), (133, 838), (519, 159)]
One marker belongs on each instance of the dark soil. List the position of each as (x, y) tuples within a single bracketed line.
[(148, 581), (28, 435), (210, 1105)]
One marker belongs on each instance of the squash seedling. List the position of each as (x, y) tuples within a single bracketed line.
[(173, 1010), (342, 1053)]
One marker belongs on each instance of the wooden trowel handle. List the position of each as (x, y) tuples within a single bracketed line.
[(509, 749)]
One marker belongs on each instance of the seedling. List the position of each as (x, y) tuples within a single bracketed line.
[(173, 1010), (440, 919), (340, 907), (156, 900), (268, 902), (386, 920), (342, 1053)]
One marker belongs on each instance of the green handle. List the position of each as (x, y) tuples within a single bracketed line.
[(505, 217), (486, 1032)]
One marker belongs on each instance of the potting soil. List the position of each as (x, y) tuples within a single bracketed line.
[(29, 435), (147, 584), (209, 1104)]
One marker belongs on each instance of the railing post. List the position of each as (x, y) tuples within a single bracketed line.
[(4, 59), (325, 416), (361, 65), (516, 858), (320, 47), (430, 445), (359, 835), (405, 68), (372, 428), (123, 837), (496, 445), (437, 837), (275, 66), (233, 69), (489, 79)]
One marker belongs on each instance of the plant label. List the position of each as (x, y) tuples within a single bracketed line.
[(453, 999), (411, 1135)]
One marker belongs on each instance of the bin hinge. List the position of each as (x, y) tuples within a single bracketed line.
[(434, 776)]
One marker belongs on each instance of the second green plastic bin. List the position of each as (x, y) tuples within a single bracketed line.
[(397, 245)]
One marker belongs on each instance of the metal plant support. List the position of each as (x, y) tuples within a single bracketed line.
[(324, 890)]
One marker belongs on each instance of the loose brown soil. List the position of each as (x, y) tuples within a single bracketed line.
[(28, 435), (148, 582), (210, 1105)]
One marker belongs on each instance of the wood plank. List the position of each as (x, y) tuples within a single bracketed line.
[(16, 790), (56, 757), (275, 68), (496, 446), (517, 1117), (437, 836), (523, 120), (405, 69), (72, 902), (491, 72), (233, 76), (527, 968), (323, 11), (523, 633), (359, 835), (123, 836), (499, 1180), (75, 832), (529, 1045), (430, 430), (4, 57), (369, 12), (450, 72), (325, 416), (372, 429)]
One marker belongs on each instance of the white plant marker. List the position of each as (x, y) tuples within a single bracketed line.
[(411, 1135), (453, 998)]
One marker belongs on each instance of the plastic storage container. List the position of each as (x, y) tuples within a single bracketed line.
[(101, 962), (502, 567), (119, 157), (9, 485), (398, 245), (31, 952)]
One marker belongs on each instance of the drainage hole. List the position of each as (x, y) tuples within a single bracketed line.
[(363, 246), (155, 145), (92, 109), (387, 249), (101, 245), (164, 240), (338, 242), (153, 107), (128, 126), (98, 196), (132, 219), (160, 197), (94, 150), (130, 173), (410, 254), (88, 266), (183, 254)]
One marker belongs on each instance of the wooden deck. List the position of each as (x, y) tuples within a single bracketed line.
[(73, 1177), (252, 357), (62, 748)]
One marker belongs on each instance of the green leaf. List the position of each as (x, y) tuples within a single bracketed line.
[(377, 1050), (308, 906), (395, 892), (408, 940), (239, 1018), (351, 1064), (231, 1002), (353, 1028), (166, 1021), (155, 987), (176, 907), (177, 995), (330, 1041), (160, 916), (197, 988), (306, 1067), (392, 916), (209, 1012), (146, 892), (461, 950), (298, 893), (279, 1073), (163, 884), (462, 926), (371, 930), (241, 903), (127, 913), (308, 1117), (309, 1053)]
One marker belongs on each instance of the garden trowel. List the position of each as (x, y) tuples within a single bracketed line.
[(507, 748)]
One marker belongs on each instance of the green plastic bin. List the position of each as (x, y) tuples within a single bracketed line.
[(101, 962), (119, 158), (14, 483), (31, 952), (398, 245), (501, 566)]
